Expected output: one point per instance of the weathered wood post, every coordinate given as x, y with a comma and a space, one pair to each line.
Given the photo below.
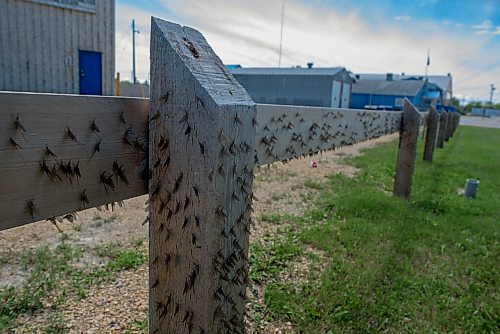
449, 126
456, 118
425, 124
202, 134
407, 151
442, 129
430, 138
452, 124
457, 121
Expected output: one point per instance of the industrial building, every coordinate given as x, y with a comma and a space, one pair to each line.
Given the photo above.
485, 112
57, 46
311, 86
387, 91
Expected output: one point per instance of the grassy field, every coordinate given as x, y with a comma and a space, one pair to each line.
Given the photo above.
430, 264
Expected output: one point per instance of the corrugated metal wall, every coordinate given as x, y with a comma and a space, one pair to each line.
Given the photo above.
39, 45
288, 89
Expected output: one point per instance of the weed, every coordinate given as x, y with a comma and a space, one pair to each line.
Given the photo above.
313, 184
110, 250
128, 259
56, 325
4, 258
99, 221
141, 324
275, 217
278, 196
63, 236
138, 242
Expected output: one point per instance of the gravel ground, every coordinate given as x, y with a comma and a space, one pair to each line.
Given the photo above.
120, 306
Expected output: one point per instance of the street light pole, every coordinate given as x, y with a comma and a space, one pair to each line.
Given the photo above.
134, 31
492, 89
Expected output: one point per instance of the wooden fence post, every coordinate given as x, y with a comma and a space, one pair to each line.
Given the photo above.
449, 126
407, 151
430, 138
442, 129
202, 133
456, 118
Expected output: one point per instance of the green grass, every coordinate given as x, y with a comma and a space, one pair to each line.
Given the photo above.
54, 276
269, 259
425, 265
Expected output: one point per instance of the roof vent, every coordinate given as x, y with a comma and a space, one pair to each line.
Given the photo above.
310, 65
390, 77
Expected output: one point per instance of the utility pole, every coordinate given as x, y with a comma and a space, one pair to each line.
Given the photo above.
281, 35
134, 78
492, 89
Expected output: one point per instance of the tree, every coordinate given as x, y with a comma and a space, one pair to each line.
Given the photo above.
472, 104
455, 102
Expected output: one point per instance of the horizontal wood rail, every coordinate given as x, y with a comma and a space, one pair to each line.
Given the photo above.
38, 154
65, 153
286, 132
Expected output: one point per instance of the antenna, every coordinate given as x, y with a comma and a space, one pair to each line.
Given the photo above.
281, 35
428, 61
134, 31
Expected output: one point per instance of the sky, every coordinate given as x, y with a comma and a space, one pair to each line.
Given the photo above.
364, 36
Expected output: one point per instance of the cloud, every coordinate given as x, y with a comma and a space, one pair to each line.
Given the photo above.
404, 18
248, 33
486, 28
485, 25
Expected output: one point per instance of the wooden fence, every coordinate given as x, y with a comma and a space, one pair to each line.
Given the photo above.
192, 148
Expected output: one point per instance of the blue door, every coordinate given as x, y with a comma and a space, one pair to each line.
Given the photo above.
90, 72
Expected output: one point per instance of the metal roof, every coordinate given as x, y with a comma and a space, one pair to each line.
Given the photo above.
442, 81
288, 70
384, 87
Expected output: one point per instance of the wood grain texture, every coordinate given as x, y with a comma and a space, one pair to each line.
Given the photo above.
442, 129
431, 134
32, 124
286, 132
201, 150
407, 151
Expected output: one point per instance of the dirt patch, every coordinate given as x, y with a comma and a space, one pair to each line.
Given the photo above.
116, 306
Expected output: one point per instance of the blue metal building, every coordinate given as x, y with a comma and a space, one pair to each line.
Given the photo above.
487, 112
373, 91
389, 95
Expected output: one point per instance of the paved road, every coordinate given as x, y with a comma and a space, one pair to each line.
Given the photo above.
485, 122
